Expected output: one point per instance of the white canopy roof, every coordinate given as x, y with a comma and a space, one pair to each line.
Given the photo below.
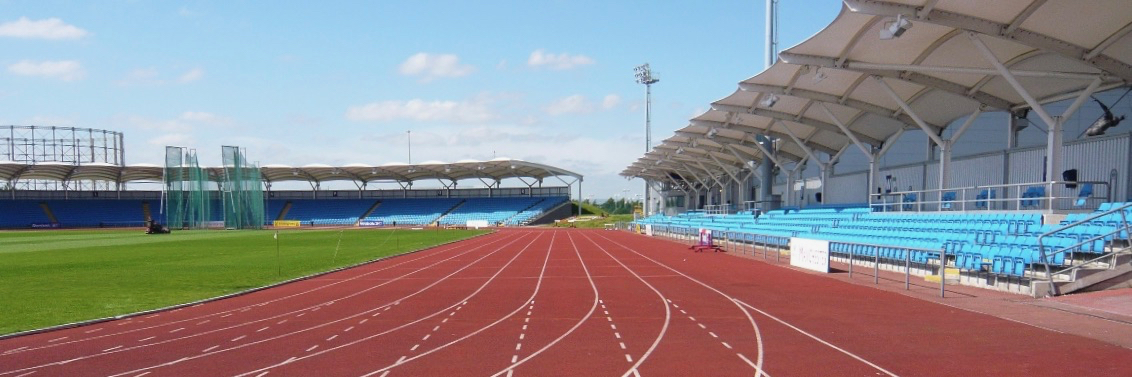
847, 86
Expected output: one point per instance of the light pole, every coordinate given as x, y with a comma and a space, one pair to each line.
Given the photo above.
409, 139
644, 76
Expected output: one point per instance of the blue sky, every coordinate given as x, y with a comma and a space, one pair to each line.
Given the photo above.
339, 82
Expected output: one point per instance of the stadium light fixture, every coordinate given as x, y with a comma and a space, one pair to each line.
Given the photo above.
819, 75
769, 100
895, 29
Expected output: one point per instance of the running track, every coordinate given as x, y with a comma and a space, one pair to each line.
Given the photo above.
540, 302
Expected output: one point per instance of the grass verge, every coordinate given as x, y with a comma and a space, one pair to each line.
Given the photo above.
53, 278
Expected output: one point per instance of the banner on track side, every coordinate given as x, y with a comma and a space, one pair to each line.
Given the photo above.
286, 223
809, 254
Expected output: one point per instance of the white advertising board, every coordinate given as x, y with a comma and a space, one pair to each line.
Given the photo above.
648, 229
476, 224
809, 254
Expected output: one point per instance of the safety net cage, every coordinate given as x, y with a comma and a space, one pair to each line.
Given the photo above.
187, 200
241, 191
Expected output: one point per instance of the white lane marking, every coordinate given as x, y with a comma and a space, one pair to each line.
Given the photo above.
676, 306
300, 315
712, 334
142, 340
436, 328
622, 344
363, 321
226, 315
26, 374
142, 374
401, 360
820, 340
331, 337
667, 310
426, 337
444, 321
518, 346
610, 319
514, 358
692, 318
288, 361
312, 348
636, 373
265, 328
528, 313
754, 326
526, 319
524, 327
239, 337
414, 349
702, 326
111, 348
617, 334
451, 314
263, 374
348, 329
402, 326
204, 322
726, 345
628, 358
56, 340
522, 335
376, 314
210, 349
93, 331
176, 330
683, 312
386, 373
612, 326
14, 350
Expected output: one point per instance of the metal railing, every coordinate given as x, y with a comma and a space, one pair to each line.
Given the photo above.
1045, 256
1053, 195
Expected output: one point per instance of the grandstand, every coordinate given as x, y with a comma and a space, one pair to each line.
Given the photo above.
1036, 219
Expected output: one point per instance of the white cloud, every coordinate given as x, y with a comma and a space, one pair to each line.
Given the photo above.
610, 101
433, 66
422, 111
51, 28
575, 104
539, 58
66, 70
190, 76
205, 118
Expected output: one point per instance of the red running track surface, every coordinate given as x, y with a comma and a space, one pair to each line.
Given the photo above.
545, 302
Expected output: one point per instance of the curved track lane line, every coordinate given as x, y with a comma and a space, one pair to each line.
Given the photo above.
117, 350
667, 312
589, 314
402, 361
758, 365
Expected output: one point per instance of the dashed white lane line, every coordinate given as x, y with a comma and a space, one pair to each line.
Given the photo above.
444, 321
386, 373
56, 340
518, 346
514, 358
145, 339
348, 329
522, 335
26, 374
617, 334
226, 315
281, 322
692, 318
726, 345
111, 348
265, 328
210, 349
141, 374
712, 334
401, 360
436, 328
312, 348
622, 344
263, 374
204, 322
14, 350
363, 321
426, 337
239, 337
628, 358
331, 337
414, 349
300, 315
176, 330
612, 326
93, 331
702, 326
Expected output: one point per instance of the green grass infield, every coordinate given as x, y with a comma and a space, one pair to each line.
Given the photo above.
49, 278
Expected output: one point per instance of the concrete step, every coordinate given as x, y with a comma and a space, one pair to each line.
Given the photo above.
951, 274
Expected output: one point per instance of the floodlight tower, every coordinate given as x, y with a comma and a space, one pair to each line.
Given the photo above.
767, 184
644, 76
